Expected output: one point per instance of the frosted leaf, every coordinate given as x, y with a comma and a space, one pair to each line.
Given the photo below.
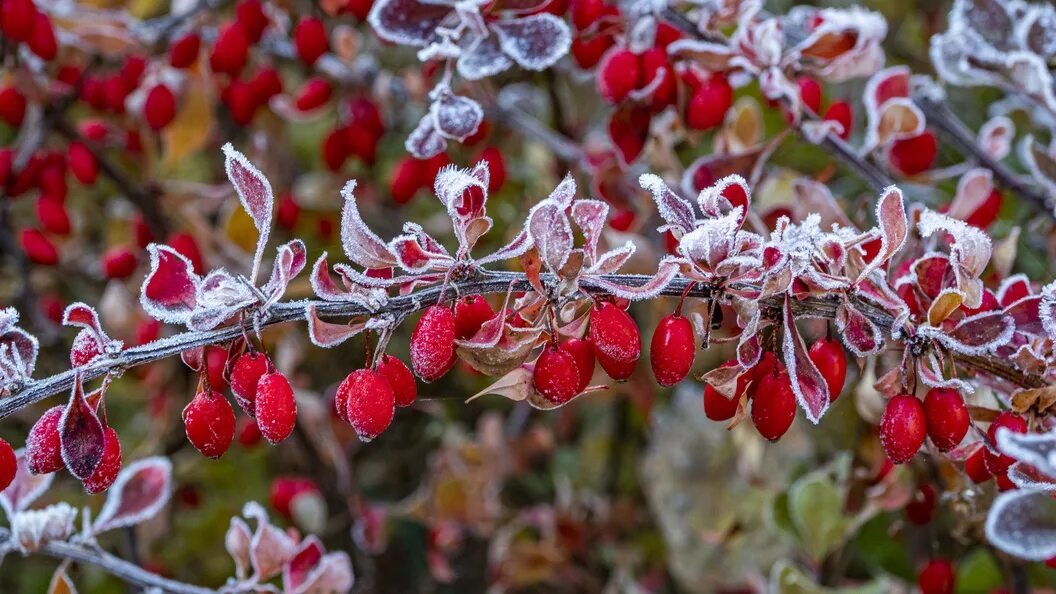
81, 434
237, 541
749, 348
839, 43
407, 22
814, 197
973, 189
551, 234
464, 192
893, 228
1026, 315
84, 316
673, 209
613, 260
929, 370
969, 252
220, 296
32, 530
169, 292
858, 332
311, 570
517, 246
711, 242
995, 137
715, 57
482, 58
564, 193
515, 385
1036, 449
810, 387
140, 491
415, 253
1023, 524
975, 335
1029, 478
987, 17
254, 191
455, 117
666, 271
61, 582
1037, 30
18, 350
270, 548
361, 245
1013, 288
425, 141
327, 335
1040, 162
535, 42
25, 488
726, 196
1047, 309
289, 262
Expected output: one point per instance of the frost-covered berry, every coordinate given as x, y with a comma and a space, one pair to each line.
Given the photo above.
937, 577
471, 312
275, 406
975, 467
911, 156
720, 408
366, 401
8, 464
947, 417
556, 375
828, 356
773, 405
109, 465
709, 104
619, 74
617, 342
43, 449
583, 354
996, 461
433, 343
210, 423
902, 428
672, 349
404, 387
245, 375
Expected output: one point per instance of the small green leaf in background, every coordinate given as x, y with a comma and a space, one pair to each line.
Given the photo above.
786, 578
816, 508
977, 573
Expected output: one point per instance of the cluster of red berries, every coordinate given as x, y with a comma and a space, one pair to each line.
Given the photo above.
22, 22
813, 98
357, 137
260, 391
907, 421
410, 175
367, 398
44, 451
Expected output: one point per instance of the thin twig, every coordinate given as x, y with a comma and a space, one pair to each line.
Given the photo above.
481, 282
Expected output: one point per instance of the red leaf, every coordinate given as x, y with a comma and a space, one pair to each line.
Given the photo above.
81, 435
812, 391
140, 491
169, 292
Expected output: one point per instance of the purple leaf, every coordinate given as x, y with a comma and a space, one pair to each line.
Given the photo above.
978, 334
238, 542
613, 260
859, 333
590, 216
481, 58
969, 252
455, 117
810, 387
18, 349
995, 137
81, 434
326, 335
551, 233
407, 22
517, 246
25, 488
308, 555
140, 491
289, 262
361, 245
425, 140
535, 42
169, 293
254, 191
893, 226
1036, 449
417, 252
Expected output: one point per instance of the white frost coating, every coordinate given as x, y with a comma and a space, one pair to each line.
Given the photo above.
514, 249
564, 193
150, 478
254, 191
1023, 524
795, 354
590, 216
425, 141
551, 233
996, 137
18, 349
969, 252
1023, 477
326, 335
406, 22
482, 58
892, 232
1010, 282
1047, 309
672, 208
31, 530
535, 42
25, 488
614, 259
949, 339
849, 318
172, 313
454, 116
1036, 449
666, 271
361, 245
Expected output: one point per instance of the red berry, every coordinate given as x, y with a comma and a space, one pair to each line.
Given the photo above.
921, 508
583, 354
275, 407
250, 14
8, 464
556, 375
245, 374
16, 18
42, 39
309, 38
619, 75
241, 101
828, 356
433, 343
215, 364
359, 8
709, 104
285, 489
132, 72
119, 262
937, 577
209, 423
52, 215
975, 466
840, 111
629, 130
588, 51
672, 349
720, 408
160, 107
82, 163
184, 51
248, 433
653, 62
986, 213
315, 93
265, 84
106, 472
471, 312
367, 401
335, 150
406, 179
364, 114
810, 93
773, 405
188, 247
38, 248
902, 428
287, 212
496, 168
404, 388
947, 417
43, 449
12, 106
996, 461
911, 156
617, 343
586, 12
230, 50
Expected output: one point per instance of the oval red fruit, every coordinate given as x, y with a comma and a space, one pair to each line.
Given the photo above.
38, 248
841, 113
184, 51
583, 353
921, 508
159, 109
720, 408
947, 417
119, 262
369, 402
619, 75
828, 356
617, 342
433, 343
709, 104
902, 428
245, 375
404, 388
106, 472
43, 449
672, 349
275, 406
975, 466
8, 464
230, 50
556, 375
773, 405
471, 312
210, 423
309, 38
82, 163
937, 577
313, 94
996, 461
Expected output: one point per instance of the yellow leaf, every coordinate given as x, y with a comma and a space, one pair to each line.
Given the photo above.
942, 307
240, 230
189, 131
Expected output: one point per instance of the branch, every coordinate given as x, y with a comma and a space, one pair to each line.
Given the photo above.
129, 572
480, 282
960, 136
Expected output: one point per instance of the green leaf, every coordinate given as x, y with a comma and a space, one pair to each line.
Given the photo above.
786, 578
816, 508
